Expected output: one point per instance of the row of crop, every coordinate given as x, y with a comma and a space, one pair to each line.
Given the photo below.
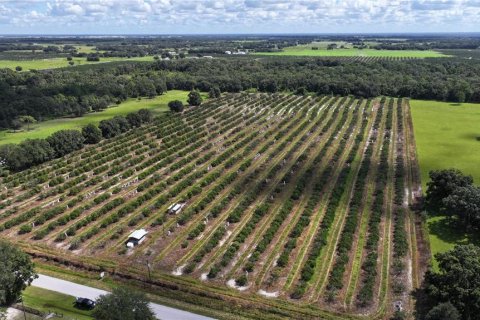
304, 219
60, 182
68, 217
321, 237
202, 203
13, 222
140, 200
369, 265
358, 118
344, 246
47, 216
64, 219
194, 190
301, 185
74, 190
208, 180
400, 242
97, 155
212, 193
258, 214
247, 199
215, 211
173, 167
84, 154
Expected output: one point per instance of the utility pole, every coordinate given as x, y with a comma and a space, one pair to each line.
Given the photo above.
149, 271
23, 308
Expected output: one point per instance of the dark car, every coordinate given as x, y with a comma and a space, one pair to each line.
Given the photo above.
84, 303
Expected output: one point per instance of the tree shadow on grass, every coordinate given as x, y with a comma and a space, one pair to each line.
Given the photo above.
451, 231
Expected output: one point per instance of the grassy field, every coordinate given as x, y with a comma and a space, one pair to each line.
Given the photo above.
50, 301
46, 128
61, 62
351, 52
446, 137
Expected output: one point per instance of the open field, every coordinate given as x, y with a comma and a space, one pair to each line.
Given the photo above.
291, 204
446, 137
352, 52
49, 301
45, 128
53, 63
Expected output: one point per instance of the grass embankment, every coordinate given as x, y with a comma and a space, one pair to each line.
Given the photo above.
352, 52
40, 64
446, 137
46, 128
49, 301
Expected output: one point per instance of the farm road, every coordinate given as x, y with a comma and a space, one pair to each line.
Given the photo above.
78, 290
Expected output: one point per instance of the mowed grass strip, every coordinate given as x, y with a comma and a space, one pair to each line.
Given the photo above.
447, 135
307, 51
50, 301
54, 63
45, 128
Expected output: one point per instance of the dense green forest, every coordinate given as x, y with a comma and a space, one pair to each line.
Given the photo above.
66, 92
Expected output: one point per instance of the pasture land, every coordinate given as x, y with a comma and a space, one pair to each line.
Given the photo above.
352, 52
293, 204
45, 128
53, 63
447, 136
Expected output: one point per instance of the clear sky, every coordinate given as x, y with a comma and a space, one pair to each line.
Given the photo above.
237, 16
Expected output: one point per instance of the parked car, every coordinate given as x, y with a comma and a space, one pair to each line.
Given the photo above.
84, 303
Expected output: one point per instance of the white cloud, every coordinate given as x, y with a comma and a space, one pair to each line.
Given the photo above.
240, 15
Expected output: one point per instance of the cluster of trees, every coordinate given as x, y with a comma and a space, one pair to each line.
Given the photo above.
123, 304
452, 193
32, 152
17, 273
60, 93
453, 290
194, 99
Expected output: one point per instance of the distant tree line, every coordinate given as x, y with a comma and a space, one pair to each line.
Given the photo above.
429, 44
32, 152
76, 91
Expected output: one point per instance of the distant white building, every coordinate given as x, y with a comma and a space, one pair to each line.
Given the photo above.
228, 52
136, 237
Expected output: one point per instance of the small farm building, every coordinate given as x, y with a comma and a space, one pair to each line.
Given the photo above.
175, 208
136, 237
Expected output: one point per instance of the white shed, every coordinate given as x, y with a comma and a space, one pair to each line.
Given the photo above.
175, 208
136, 237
